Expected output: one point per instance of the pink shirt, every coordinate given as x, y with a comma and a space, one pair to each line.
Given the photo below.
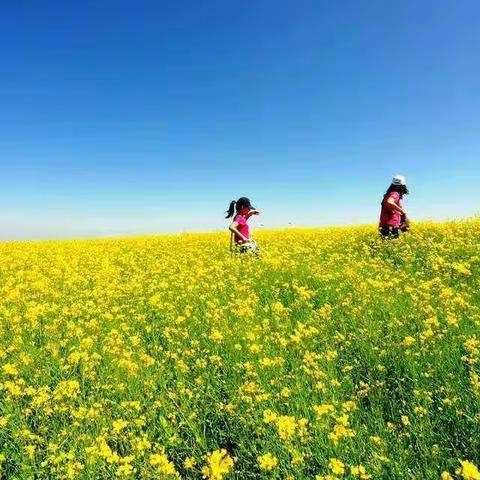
388, 216
242, 228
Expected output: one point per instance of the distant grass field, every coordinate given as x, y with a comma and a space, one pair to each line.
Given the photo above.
333, 355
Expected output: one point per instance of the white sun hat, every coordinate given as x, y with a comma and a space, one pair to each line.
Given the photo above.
399, 180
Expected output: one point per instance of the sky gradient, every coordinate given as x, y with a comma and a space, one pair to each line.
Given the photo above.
121, 117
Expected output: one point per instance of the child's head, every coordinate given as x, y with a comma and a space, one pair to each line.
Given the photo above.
399, 184
240, 207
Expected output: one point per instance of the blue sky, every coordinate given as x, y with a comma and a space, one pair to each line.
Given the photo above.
121, 117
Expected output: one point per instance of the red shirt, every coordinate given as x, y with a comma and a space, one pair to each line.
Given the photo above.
242, 227
388, 216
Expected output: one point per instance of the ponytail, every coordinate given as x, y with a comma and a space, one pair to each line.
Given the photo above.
242, 202
231, 209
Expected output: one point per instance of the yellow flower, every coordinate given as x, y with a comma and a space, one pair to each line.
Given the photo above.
408, 341
321, 410
162, 464
67, 389
219, 463
336, 466
285, 393
420, 411
125, 470
216, 335
286, 426
10, 369
469, 471
269, 416
30, 451
119, 425
267, 461
359, 471
189, 463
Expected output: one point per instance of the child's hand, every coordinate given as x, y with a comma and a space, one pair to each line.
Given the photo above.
254, 212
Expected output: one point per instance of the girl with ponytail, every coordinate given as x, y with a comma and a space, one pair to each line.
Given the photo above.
241, 210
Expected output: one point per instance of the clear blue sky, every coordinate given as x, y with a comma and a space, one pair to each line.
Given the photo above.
121, 117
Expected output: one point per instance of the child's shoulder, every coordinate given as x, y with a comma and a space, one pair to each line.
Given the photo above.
239, 219
395, 195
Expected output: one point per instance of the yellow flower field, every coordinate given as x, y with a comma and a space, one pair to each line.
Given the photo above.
333, 355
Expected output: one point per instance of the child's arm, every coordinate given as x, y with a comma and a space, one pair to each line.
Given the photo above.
393, 206
233, 228
253, 212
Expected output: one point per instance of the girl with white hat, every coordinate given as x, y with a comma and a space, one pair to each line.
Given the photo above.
393, 217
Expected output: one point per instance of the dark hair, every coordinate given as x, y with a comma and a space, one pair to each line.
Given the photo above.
236, 206
401, 189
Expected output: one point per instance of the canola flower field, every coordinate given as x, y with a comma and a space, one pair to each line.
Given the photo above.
335, 355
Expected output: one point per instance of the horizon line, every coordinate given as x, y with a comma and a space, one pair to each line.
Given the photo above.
92, 237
